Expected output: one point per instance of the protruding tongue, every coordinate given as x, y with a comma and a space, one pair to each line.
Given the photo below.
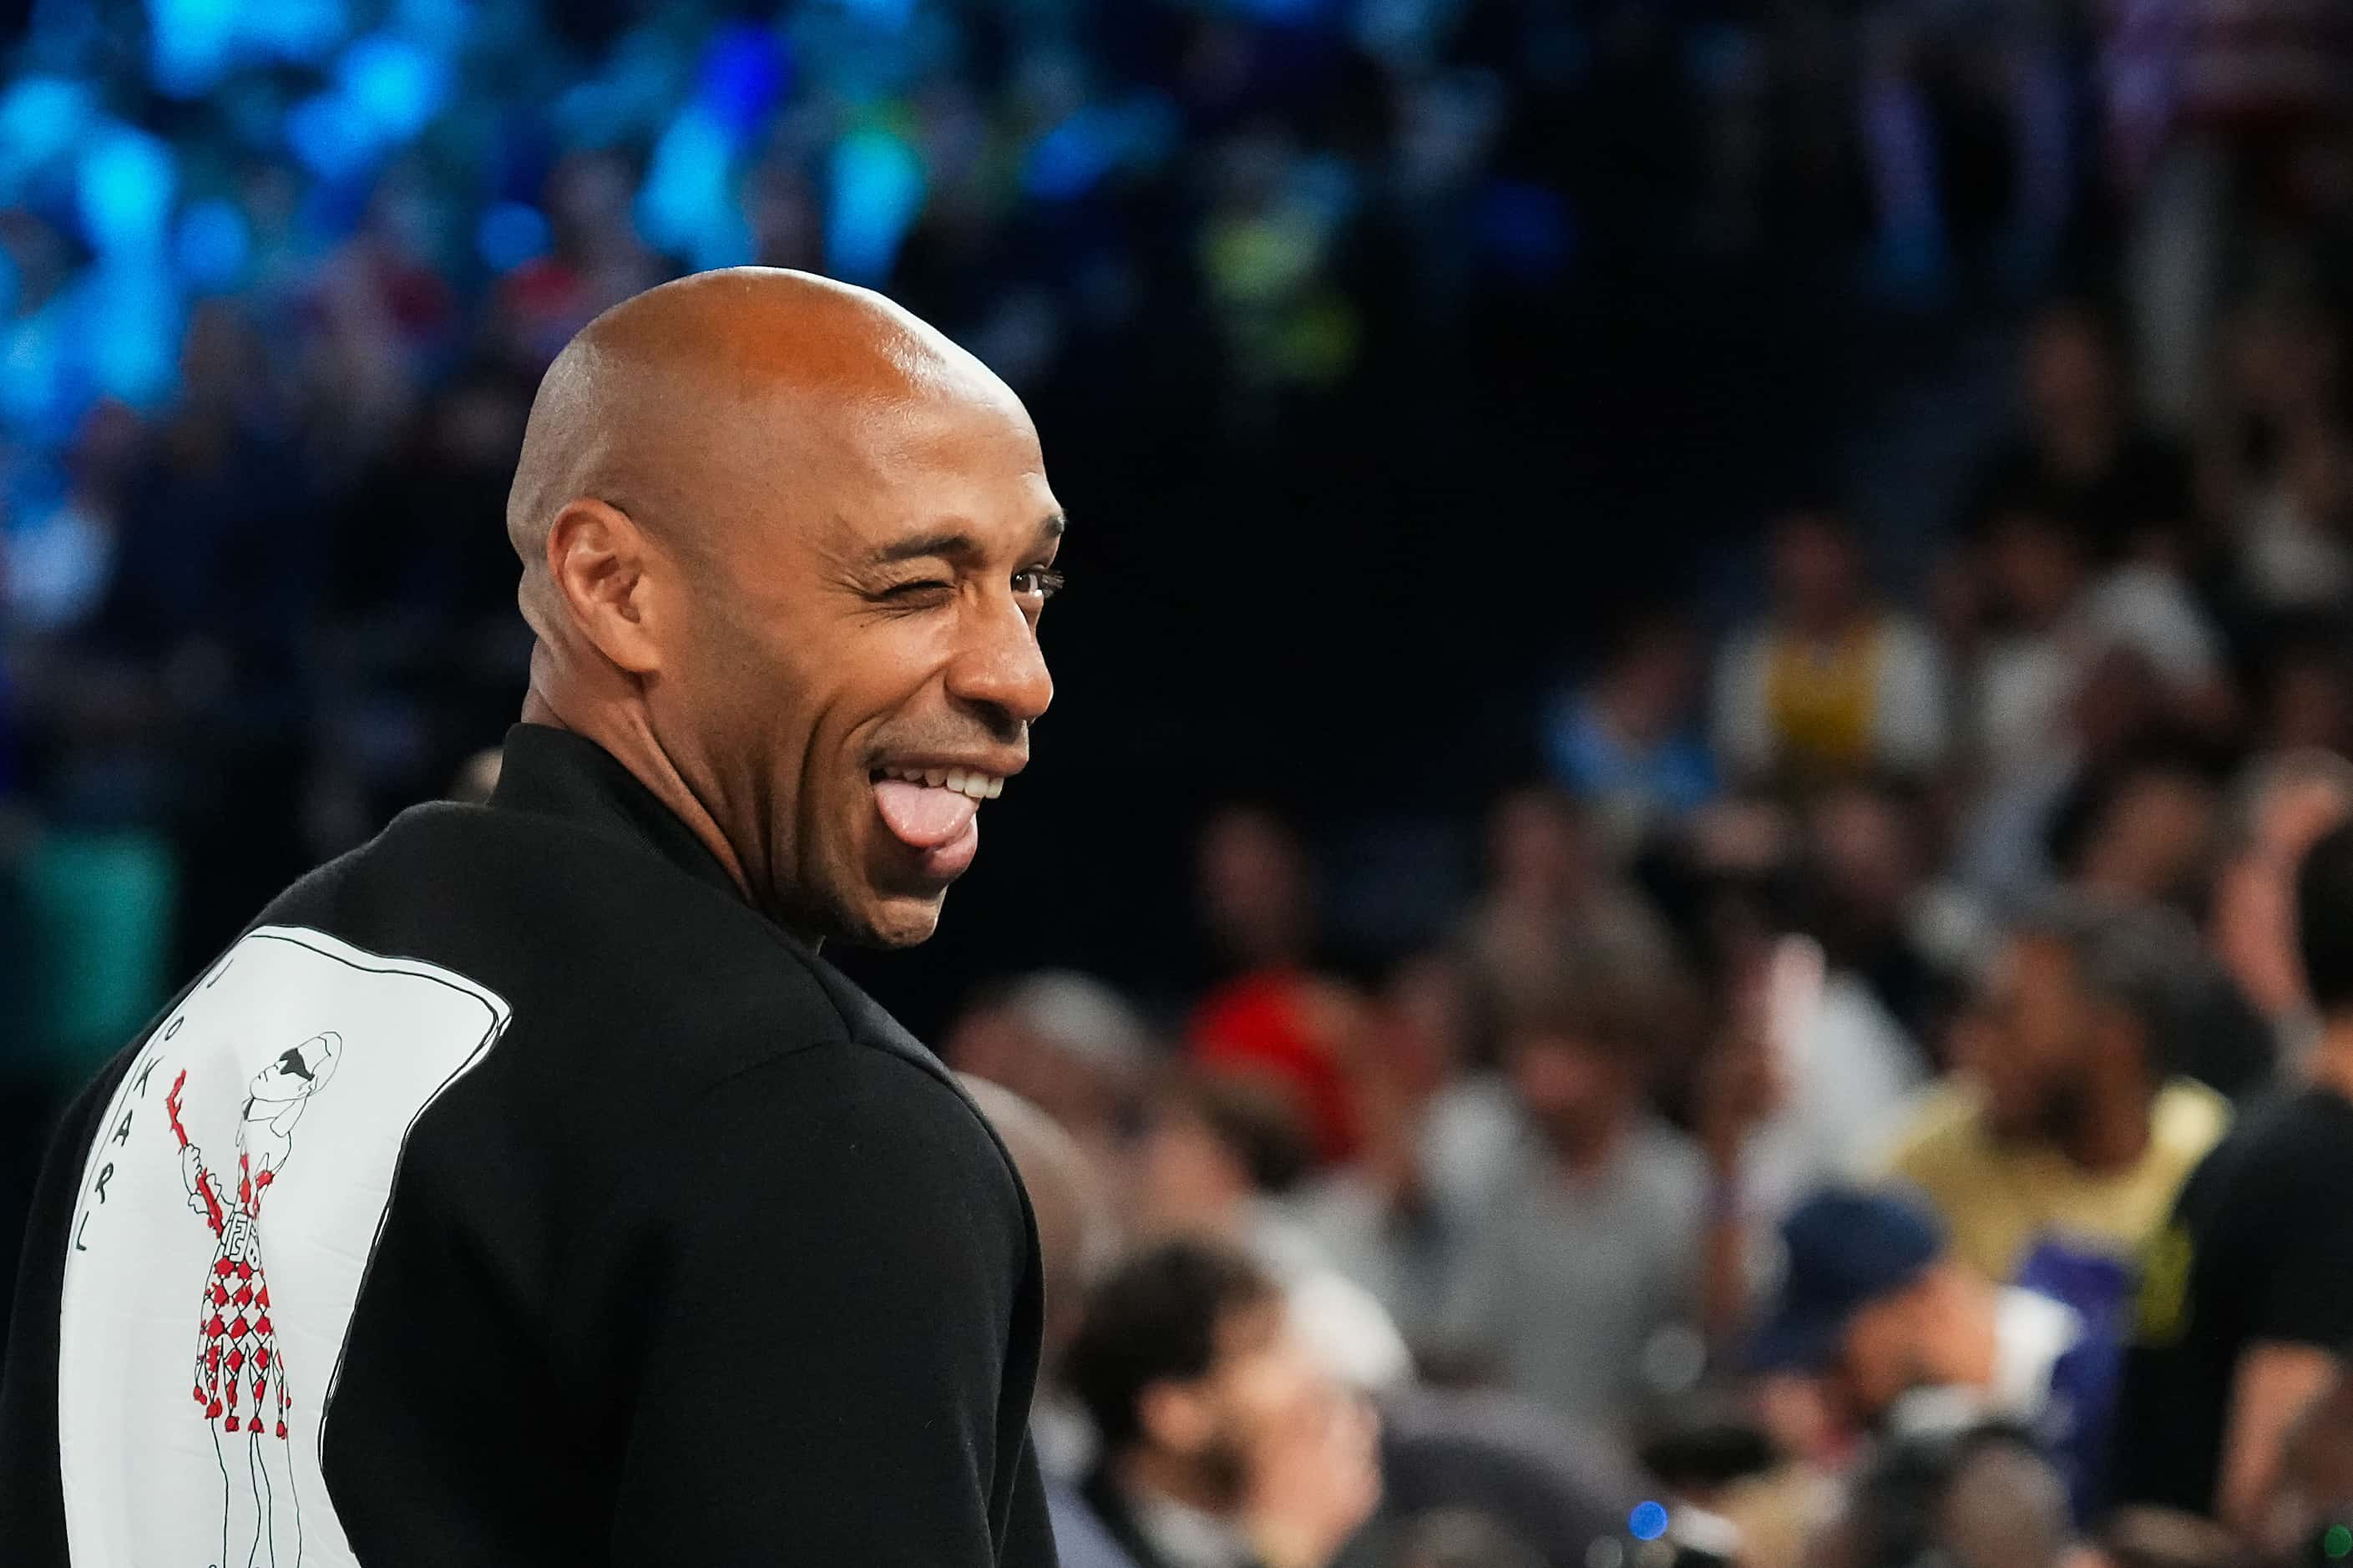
923, 817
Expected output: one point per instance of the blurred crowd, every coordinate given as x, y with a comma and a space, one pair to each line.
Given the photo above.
1885, 1097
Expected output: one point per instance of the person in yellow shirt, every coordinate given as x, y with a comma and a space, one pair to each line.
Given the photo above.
2062, 1140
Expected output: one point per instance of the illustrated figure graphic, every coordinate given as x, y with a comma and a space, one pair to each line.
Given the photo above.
236, 1345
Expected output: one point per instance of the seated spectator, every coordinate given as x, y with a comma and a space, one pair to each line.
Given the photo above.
1071, 1046
1985, 1498
1907, 1341
1627, 742
1224, 1443
1584, 1280
1830, 684
2282, 806
2065, 1138
2079, 453
1224, 1157
1073, 1247
2246, 1299
1274, 1014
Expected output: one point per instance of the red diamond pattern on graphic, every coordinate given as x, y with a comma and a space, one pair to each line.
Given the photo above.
265, 1298
244, 1270
229, 1424
263, 1326
262, 1356
200, 1395
244, 1297
237, 1360
222, 1268
281, 1428
221, 1295
214, 1328
237, 1327
213, 1409
212, 1358
260, 1391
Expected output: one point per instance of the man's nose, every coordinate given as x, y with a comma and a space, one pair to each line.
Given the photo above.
1002, 669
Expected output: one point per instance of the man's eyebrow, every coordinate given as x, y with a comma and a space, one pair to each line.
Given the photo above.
950, 544
947, 544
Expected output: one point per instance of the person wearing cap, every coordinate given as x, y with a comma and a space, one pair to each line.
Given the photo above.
1903, 1337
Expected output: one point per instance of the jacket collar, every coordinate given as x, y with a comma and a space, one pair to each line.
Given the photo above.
555, 773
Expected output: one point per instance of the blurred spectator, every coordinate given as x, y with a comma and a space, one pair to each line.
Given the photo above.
2246, 1299
1223, 1156
1563, 1494
1583, 1286
1072, 1250
1275, 1016
1458, 1538
1984, 1498
2281, 807
1907, 1339
1831, 683
2065, 1136
1071, 1046
2080, 454
1224, 1442
1627, 740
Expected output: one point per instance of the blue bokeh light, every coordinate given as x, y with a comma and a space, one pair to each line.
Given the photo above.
214, 244
123, 189
1647, 1521
509, 235
394, 85
878, 190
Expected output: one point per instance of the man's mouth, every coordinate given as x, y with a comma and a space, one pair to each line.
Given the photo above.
936, 812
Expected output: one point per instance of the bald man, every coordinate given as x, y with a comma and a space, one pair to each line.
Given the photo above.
523, 1187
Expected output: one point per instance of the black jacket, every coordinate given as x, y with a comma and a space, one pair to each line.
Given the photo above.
587, 1215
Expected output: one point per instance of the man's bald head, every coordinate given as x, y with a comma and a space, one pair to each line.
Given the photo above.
673, 399
783, 547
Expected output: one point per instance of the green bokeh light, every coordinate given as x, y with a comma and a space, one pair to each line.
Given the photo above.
2339, 1541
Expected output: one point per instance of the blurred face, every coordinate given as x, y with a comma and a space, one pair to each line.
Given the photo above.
862, 668
1188, 1182
2034, 572
1253, 886
1573, 1089
2066, 369
1265, 1408
1816, 577
1539, 850
1882, 1358
2030, 1044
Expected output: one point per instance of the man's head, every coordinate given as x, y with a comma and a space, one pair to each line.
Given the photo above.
1255, 888
1212, 1141
300, 1072
2083, 1001
1580, 1040
2324, 923
1186, 1357
1819, 582
1870, 1303
1068, 1044
784, 548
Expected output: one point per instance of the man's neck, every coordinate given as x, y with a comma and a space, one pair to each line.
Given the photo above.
625, 738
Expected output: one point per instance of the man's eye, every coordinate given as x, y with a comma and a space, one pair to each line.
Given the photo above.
922, 588
1043, 581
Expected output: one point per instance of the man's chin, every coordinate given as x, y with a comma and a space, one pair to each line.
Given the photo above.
898, 919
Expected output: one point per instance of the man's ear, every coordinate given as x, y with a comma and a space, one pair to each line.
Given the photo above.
597, 557
1176, 1417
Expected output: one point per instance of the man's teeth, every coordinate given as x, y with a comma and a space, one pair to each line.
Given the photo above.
979, 786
